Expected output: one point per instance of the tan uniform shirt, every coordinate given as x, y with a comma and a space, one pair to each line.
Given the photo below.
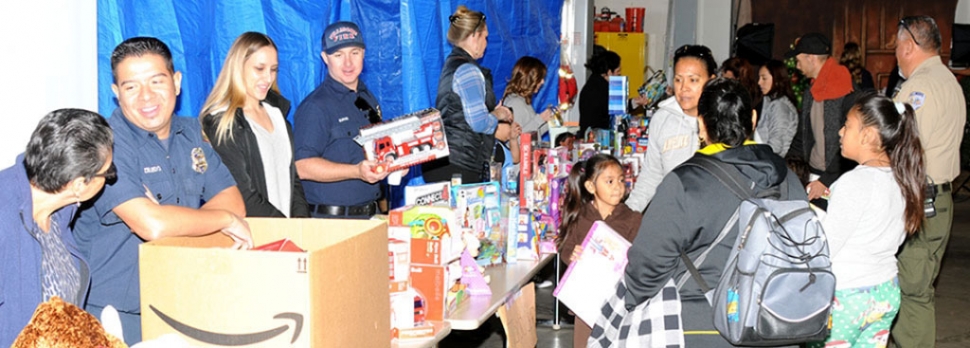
816, 158
940, 114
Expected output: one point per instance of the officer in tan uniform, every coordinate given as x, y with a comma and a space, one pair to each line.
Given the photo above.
936, 96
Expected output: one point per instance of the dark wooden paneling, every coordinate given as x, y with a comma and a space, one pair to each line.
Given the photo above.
871, 23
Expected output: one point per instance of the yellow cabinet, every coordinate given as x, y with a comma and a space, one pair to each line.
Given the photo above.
632, 48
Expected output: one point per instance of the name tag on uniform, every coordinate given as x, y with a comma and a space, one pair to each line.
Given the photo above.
343, 119
154, 169
680, 141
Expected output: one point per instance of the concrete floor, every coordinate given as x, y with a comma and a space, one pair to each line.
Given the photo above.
952, 298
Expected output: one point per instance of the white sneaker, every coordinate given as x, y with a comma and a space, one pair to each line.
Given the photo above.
544, 284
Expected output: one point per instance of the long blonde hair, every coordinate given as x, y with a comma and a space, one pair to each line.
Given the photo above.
464, 23
229, 91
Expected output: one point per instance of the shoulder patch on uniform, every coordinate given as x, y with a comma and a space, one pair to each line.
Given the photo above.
916, 99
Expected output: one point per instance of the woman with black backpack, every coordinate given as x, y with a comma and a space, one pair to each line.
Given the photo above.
691, 208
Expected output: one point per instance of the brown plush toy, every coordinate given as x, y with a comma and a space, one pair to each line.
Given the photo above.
57, 324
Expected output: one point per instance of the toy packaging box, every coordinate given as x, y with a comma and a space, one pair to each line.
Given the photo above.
512, 227
436, 193
592, 278
398, 262
525, 164
478, 211
557, 190
587, 150
438, 287
527, 240
619, 85
604, 137
431, 230
408, 316
403, 316
402, 312
405, 141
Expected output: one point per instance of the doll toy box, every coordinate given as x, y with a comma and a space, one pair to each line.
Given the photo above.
478, 209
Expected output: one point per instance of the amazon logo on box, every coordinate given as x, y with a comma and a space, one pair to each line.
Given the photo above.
333, 295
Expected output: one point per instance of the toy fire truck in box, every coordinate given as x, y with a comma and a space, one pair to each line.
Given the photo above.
405, 141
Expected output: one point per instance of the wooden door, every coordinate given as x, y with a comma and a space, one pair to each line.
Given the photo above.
870, 23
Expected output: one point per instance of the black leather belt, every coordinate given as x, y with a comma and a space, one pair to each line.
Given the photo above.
944, 187
368, 209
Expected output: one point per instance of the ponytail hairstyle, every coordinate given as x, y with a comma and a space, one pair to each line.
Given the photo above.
896, 124
576, 193
464, 23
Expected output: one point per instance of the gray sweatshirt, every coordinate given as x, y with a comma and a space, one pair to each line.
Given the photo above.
525, 115
777, 124
673, 140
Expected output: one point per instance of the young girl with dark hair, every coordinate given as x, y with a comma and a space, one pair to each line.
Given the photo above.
871, 210
778, 120
594, 193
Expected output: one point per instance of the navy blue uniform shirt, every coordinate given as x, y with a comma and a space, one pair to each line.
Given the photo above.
187, 174
325, 125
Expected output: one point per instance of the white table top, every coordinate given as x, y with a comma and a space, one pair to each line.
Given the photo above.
441, 329
506, 280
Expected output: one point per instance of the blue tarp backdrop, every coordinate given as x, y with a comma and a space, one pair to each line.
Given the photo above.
405, 41
406, 44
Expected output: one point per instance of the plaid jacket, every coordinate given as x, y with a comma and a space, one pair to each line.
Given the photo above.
655, 323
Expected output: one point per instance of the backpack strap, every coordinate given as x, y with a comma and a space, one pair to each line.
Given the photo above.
729, 176
700, 259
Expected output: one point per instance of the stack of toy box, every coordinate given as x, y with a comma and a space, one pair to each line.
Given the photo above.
408, 319
544, 178
434, 251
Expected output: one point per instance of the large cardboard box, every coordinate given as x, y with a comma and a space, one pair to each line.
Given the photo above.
334, 295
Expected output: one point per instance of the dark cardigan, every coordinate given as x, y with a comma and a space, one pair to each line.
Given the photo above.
241, 155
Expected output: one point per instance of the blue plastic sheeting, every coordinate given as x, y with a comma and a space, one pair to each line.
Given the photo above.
406, 44
405, 40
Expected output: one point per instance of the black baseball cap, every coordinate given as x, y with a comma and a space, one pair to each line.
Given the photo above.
341, 34
811, 43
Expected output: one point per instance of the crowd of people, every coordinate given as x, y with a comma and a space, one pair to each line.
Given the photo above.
873, 162
880, 166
